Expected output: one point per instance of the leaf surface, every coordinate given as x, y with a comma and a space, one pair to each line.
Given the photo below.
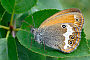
25, 37
18, 6
12, 49
3, 49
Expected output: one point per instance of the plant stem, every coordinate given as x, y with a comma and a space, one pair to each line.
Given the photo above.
8, 32
2, 15
7, 28
11, 21
11, 24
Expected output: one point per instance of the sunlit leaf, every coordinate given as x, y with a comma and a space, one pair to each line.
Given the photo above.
25, 54
12, 49
25, 37
18, 6
3, 49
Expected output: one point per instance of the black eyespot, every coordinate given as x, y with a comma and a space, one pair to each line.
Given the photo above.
72, 37
70, 42
63, 26
77, 19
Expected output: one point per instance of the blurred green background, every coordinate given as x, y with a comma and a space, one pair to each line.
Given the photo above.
83, 5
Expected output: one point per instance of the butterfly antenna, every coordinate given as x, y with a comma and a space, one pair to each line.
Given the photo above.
44, 45
33, 21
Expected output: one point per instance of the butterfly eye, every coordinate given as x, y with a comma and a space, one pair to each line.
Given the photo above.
32, 30
70, 42
63, 26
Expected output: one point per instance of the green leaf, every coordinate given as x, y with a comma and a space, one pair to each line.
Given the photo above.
51, 58
18, 19
18, 6
25, 54
76, 58
1, 14
3, 49
5, 22
12, 49
25, 37
88, 42
1, 11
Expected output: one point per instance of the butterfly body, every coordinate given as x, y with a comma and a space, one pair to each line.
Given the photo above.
62, 31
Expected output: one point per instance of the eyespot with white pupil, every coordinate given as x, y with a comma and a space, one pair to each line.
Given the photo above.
70, 42
71, 37
63, 26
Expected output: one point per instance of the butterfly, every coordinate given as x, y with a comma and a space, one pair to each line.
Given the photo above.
61, 31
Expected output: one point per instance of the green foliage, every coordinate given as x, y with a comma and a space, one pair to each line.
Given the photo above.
12, 49
25, 39
18, 6
5, 21
81, 4
25, 54
88, 43
3, 49
1, 11
23, 46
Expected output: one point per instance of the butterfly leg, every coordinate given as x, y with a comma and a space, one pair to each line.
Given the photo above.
44, 45
31, 42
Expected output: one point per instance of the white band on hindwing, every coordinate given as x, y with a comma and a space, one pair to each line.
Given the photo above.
67, 34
